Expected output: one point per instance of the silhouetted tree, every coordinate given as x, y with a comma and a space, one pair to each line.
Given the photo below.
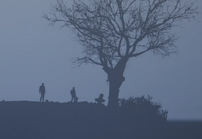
114, 31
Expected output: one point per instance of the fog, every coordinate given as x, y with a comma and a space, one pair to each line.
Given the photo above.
33, 52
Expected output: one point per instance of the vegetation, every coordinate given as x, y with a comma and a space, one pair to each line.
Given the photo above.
143, 111
114, 31
144, 106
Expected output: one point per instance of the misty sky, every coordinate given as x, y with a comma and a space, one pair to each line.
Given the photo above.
33, 52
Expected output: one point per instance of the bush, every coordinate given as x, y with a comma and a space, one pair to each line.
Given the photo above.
143, 106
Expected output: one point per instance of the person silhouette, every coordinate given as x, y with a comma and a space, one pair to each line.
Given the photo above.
100, 100
42, 91
73, 95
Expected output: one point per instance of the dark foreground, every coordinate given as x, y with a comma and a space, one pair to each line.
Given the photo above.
35, 120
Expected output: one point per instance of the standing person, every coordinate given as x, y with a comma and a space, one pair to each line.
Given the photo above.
73, 94
42, 91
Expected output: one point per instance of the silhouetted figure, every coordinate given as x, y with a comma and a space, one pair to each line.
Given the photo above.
100, 100
73, 94
42, 91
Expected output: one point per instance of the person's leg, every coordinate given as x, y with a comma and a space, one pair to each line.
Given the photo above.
43, 97
74, 98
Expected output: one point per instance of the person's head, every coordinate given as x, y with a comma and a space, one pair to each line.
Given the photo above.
101, 96
73, 88
43, 84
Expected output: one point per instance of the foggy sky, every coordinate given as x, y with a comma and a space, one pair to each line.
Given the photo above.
33, 52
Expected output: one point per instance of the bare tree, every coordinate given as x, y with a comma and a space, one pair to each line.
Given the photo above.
113, 31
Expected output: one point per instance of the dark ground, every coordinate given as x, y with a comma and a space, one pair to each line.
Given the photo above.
50, 120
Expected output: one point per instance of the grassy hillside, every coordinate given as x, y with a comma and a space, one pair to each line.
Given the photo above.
49, 120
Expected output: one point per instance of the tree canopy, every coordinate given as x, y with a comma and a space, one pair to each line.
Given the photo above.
114, 31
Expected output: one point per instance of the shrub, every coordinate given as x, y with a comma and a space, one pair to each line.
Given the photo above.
143, 106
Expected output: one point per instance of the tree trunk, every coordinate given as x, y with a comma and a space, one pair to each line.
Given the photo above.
116, 78
115, 83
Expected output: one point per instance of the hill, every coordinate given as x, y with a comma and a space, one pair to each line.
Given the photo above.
51, 120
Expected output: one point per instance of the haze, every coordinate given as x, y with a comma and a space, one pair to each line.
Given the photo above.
33, 52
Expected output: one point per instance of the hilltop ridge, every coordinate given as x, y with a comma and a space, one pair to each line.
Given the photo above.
53, 120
